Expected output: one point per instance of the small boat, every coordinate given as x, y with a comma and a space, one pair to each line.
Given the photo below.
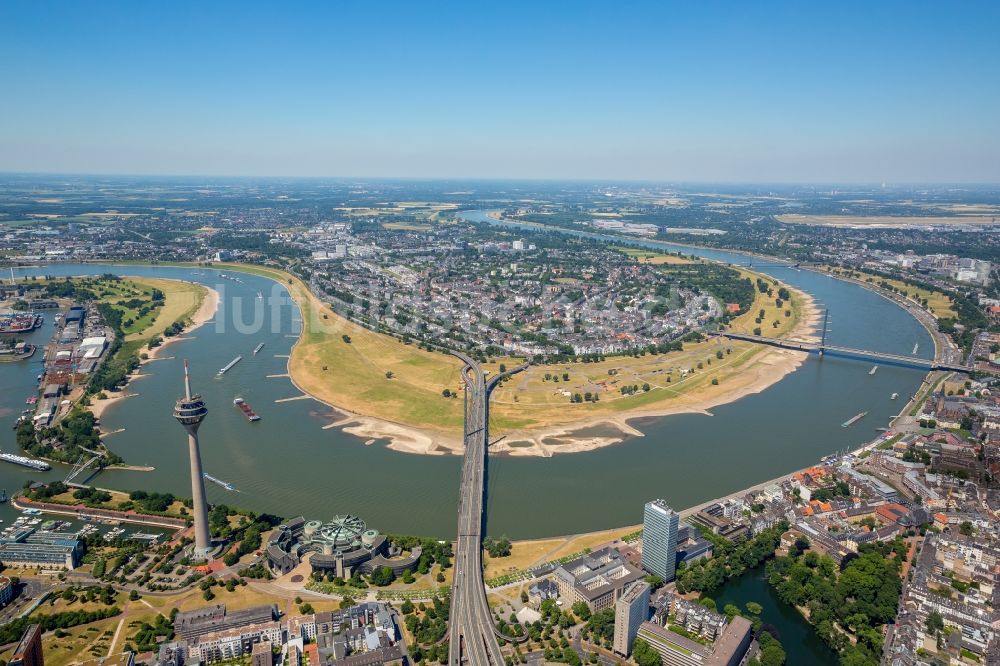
258, 348
916, 346
224, 484
893, 396
873, 370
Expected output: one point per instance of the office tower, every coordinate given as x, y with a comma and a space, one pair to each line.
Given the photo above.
631, 610
659, 540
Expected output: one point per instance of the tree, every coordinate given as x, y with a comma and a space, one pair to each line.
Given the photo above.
382, 576
581, 610
346, 338
935, 623
772, 655
655, 582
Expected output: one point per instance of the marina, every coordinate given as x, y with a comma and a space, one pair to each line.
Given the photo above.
229, 366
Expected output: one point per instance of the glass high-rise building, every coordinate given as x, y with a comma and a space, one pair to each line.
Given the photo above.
659, 539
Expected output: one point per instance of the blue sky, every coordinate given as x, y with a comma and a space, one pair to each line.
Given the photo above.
693, 91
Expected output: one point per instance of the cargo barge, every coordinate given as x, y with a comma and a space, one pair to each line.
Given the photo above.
854, 419
245, 408
229, 366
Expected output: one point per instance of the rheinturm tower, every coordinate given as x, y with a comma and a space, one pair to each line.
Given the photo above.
190, 411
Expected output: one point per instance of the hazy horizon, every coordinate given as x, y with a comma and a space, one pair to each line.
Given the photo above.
785, 93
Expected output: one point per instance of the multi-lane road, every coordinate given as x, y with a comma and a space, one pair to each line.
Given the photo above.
471, 628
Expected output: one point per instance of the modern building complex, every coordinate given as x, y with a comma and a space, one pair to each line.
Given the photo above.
659, 539
631, 610
46, 550
190, 411
685, 633
598, 579
28, 651
342, 546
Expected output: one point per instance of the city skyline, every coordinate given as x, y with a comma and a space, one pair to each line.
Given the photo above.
898, 93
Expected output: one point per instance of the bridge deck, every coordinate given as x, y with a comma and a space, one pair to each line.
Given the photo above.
812, 347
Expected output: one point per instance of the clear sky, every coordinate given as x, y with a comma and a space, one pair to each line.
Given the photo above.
693, 91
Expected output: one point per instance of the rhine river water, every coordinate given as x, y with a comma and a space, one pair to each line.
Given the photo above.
289, 465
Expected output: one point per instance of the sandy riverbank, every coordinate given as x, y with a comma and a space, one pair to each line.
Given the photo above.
767, 367
204, 314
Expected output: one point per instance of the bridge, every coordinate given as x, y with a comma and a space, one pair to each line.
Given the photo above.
822, 348
78, 468
472, 633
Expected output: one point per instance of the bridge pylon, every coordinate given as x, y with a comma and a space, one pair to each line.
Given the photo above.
826, 327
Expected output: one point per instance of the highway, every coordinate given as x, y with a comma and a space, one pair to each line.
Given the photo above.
472, 638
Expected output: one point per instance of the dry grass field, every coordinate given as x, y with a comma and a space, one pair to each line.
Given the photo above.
353, 375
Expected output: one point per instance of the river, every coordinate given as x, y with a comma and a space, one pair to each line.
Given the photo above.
801, 644
289, 465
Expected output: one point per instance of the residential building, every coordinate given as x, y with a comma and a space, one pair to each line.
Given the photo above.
261, 654
687, 634
659, 539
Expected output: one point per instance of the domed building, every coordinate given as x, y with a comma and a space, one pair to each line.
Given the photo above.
341, 547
